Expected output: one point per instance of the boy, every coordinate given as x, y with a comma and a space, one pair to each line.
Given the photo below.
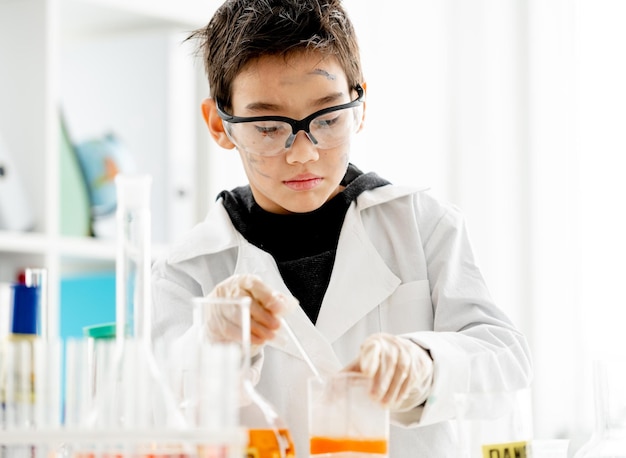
384, 275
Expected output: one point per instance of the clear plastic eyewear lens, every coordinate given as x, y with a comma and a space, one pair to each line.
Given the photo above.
335, 128
264, 139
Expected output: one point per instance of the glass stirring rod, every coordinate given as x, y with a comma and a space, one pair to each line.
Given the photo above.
300, 348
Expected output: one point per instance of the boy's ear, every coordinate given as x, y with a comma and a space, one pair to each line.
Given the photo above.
215, 125
364, 86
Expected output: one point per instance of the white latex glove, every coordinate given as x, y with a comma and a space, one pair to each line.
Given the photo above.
266, 307
401, 371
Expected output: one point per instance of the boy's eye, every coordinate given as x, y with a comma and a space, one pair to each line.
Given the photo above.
327, 121
266, 130
269, 130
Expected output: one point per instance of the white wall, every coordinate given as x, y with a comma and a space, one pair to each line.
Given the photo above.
514, 110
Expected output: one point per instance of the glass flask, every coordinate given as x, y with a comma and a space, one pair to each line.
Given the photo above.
268, 435
609, 437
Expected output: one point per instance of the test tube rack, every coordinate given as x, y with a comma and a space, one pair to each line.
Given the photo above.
49, 406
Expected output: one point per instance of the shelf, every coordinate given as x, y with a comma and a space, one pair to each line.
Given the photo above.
22, 242
75, 248
96, 249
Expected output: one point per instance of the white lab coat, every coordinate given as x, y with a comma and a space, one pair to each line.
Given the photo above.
404, 266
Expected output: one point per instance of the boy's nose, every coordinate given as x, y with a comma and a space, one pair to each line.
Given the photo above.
302, 150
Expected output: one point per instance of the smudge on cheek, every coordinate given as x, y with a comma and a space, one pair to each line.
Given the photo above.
256, 164
341, 158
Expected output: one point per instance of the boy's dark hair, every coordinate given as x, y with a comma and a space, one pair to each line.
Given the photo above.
243, 30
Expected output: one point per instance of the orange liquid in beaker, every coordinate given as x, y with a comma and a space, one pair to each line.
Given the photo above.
262, 443
321, 445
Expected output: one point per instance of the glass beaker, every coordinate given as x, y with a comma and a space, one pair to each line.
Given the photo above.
268, 435
344, 419
609, 436
494, 423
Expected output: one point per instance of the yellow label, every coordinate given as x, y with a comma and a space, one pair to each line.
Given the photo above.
505, 450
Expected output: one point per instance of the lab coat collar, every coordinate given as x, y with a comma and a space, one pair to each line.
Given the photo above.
216, 233
360, 279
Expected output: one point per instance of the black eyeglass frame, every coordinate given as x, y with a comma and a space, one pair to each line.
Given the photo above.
296, 125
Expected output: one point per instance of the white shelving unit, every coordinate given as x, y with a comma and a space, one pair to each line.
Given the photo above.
107, 65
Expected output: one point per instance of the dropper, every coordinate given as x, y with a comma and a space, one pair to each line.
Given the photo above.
300, 348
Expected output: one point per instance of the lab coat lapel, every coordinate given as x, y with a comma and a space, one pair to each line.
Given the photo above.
255, 261
360, 280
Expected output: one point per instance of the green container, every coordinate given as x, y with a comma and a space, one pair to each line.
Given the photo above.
100, 331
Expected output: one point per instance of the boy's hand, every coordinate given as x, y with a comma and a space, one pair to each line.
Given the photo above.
401, 371
267, 305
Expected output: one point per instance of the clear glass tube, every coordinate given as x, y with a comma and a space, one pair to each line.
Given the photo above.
133, 256
146, 399
268, 435
609, 436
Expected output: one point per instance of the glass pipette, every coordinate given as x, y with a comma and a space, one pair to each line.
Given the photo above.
300, 348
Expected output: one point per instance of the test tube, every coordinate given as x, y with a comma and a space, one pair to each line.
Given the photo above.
133, 256
47, 372
141, 383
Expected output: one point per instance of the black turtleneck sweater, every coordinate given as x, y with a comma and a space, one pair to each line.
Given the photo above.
303, 244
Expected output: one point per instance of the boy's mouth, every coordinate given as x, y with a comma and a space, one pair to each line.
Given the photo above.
303, 182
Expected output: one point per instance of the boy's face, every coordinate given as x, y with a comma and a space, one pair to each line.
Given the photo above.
302, 177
